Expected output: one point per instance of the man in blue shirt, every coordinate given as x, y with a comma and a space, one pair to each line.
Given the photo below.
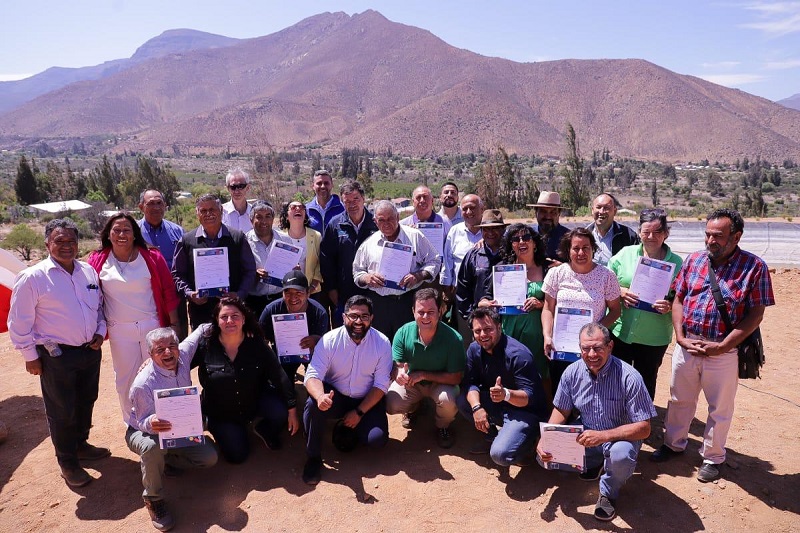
615, 410
324, 206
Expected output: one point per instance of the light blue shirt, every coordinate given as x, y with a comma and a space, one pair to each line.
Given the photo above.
459, 241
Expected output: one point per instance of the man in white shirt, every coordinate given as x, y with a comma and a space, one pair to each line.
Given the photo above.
236, 213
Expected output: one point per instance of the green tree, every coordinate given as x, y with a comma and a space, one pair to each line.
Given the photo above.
714, 183
25, 184
577, 190
654, 192
24, 240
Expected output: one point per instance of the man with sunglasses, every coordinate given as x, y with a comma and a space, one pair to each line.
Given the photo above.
347, 379
610, 236
236, 213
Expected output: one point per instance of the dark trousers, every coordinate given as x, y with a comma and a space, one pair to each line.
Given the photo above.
183, 318
201, 314
373, 430
69, 389
557, 368
257, 303
391, 312
646, 359
232, 435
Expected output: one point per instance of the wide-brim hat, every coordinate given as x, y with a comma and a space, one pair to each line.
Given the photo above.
548, 199
492, 218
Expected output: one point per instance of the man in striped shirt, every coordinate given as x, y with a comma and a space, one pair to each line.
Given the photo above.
615, 410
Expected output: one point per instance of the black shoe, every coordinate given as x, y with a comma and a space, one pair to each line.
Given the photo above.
445, 438
87, 452
591, 474
604, 510
708, 472
159, 514
409, 420
663, 454
273, 442
312, 471
76, 476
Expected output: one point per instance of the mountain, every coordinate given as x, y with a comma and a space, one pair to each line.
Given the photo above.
793, 101
16, 93
365, 81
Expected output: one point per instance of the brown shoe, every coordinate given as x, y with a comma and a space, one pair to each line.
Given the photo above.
76, 476
87, 452
159, 514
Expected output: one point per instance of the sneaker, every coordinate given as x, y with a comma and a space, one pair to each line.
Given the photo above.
663, 454
409, 419
87, 452
445, 438
159, 514
604, 509
591, 474
273, 442
76, 476
312, 471
708, 472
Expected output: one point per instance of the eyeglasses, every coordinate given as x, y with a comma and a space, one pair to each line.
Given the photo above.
297, 206
238, 186
599, 348
355, 317
522, 238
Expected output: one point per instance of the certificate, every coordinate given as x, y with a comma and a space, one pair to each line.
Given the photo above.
396, 261
559, 440
181, 408
289, 330
212, 275
651, 281
568, 324
434, 232
510, 284
282, 258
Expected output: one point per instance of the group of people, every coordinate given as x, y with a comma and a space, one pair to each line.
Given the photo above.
381, 346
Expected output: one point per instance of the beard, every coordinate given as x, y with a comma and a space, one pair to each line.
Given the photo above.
449, 202
357, 335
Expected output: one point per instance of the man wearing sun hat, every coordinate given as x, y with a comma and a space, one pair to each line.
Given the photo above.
548, 209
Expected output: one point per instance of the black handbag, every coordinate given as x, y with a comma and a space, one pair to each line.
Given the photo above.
751, 350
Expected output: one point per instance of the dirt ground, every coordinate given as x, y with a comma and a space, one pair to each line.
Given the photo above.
412, 484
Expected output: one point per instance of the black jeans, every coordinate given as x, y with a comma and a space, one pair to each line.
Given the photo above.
646, 359
69, 389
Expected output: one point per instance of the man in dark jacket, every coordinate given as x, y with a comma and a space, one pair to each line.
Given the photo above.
610, 236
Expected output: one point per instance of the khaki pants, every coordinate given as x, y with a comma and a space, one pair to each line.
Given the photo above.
400, 399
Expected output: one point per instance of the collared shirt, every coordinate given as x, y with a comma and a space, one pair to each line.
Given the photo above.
352, 369
232, 218
316, 318
368, 258
338, 249
473, 276
261, 254
49, 303
512, 362
459, 241
743, 279
319, 217
457, 218
617, 237
412, 221
153, 377
445, 352
615, 397
164, 237
603, 253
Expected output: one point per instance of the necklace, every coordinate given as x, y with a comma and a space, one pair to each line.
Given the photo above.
128, 262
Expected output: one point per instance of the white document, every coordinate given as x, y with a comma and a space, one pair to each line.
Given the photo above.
559, 440
510, 285
181, 408
282, 258
434, 232
211, 269
396, 261
651, 282
566, 329
289, 330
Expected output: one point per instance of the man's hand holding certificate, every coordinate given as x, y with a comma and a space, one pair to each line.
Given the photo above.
282, 258
178, 419
291, 332
559, 448
211, 271
395, 265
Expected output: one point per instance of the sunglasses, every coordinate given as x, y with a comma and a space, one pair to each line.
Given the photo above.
237, 186
522, 238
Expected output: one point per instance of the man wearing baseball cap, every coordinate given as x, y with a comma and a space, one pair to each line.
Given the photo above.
548, 210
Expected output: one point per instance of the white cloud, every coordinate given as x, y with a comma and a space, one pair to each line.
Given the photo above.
777, 18
721, 64
14, 77
783, 65
733, 80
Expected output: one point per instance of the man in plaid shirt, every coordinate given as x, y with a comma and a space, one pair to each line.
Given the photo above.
705, 356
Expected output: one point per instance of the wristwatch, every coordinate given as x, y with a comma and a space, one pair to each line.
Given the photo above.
359, 412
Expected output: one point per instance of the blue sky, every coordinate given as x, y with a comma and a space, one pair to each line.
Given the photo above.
750, 45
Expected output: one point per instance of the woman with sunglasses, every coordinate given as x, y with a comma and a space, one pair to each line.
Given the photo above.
522, 245
641, 337
296, 225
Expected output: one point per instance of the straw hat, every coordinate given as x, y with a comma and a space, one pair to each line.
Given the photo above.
548, 199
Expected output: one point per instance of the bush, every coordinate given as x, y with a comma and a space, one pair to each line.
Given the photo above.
24, 240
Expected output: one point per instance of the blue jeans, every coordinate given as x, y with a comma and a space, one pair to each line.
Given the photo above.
69, 390
619, 461
232, 436
519, 431
373, 430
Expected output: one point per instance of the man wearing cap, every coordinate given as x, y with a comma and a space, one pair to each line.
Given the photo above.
610, 236
296, 300
393, 302
236, 213
548, 210
324, 206
476, 269
450, 210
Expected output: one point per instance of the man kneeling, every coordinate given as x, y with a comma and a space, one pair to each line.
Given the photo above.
615, 410
169, 369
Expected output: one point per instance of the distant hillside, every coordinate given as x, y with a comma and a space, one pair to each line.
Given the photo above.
793, 101
16, 93
365, 81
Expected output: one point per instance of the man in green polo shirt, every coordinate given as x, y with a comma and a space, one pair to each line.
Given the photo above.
429, 363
